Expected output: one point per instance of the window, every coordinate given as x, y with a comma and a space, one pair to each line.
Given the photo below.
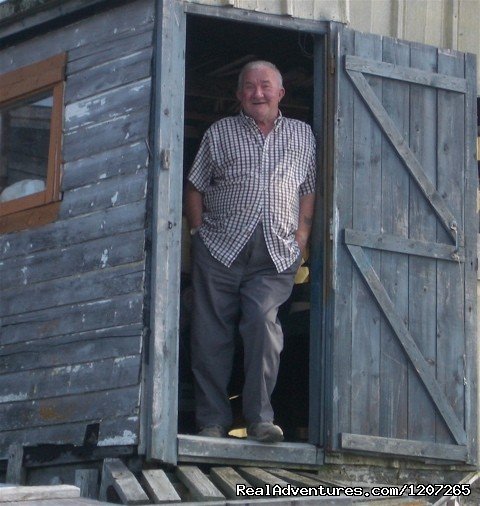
31, 111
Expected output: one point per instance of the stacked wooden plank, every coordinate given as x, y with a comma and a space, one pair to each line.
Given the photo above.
189, 484
50, 495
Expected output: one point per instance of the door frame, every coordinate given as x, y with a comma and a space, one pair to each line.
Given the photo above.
160, 399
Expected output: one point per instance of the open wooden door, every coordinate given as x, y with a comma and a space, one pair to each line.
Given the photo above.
401, 290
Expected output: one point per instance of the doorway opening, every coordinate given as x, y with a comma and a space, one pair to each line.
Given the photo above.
216, 50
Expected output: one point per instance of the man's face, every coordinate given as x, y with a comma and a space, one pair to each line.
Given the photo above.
260, 94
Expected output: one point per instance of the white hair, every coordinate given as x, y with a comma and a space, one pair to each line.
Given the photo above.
257, 64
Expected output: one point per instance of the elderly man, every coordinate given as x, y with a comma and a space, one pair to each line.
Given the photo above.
249, 203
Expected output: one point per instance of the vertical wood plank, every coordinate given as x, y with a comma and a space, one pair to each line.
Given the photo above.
422, 226
471, 234
16, 473
450, 276
367, 202
162, 381
87, 481
394, 267
339, 340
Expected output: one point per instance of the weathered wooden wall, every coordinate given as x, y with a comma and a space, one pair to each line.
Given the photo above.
72, 292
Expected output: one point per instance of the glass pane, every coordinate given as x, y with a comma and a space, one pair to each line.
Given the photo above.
24, 144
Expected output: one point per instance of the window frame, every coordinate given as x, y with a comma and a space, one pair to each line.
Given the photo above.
41, 207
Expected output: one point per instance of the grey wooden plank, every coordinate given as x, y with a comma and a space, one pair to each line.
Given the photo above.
402, 447
367, 180
422, 226
199, 486
73, 408
398, 244
107, 135
98, 52
101, 284
66, 349
38, 492
339, 263
450, 277
227, 479
471, 232
115, 220
259, 477
130, 67
64, 320
104, 194
72, 379
121, 431
73, 433
80, 258
442, 403
87, 481
410, 161
22, 17
108, 105
78, 501
112, 433
16, 473
209, 450
402, 72
159, 487
120, 161
117, 475
394, 268
296, 479
166, 212
102, 27
258, 18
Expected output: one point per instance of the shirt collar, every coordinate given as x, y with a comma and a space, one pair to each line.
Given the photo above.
250, 121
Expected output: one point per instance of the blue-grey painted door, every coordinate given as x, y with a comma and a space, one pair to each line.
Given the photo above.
400, 306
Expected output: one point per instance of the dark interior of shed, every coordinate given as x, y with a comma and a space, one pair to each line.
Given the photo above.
216, 51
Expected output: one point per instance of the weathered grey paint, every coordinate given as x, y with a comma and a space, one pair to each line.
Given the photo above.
383, 195
72, 292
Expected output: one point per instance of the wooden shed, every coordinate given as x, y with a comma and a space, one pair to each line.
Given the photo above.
103, 105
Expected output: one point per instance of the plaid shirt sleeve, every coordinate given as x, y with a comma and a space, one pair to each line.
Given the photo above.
201, 172
308, 186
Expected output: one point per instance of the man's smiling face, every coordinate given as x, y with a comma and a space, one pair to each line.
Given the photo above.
260, 94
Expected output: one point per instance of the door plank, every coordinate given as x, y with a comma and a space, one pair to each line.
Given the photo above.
394, 268
403, 447
367, 144
471, 229
405, 74
340, 309
407, 246
445, 409
450, 277
422, 227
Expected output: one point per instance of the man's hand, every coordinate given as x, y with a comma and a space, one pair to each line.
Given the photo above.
305, 220
193, 206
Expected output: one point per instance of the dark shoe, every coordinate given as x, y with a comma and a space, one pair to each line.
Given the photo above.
213, 431
265, 432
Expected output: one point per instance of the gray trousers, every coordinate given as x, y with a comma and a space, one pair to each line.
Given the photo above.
247, 294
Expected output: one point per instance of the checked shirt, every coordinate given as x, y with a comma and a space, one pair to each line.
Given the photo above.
246, 178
